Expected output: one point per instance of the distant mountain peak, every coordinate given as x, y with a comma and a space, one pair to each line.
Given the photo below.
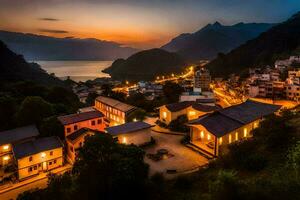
217, 24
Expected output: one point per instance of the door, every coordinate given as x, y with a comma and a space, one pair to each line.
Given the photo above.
45, 166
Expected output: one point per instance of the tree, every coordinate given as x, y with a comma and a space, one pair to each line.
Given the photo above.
137, 115
172, 92
109, 170
8, 108
51, 127
33, 110
90, 100
179, 124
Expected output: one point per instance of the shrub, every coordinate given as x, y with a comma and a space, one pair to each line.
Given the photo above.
179, 124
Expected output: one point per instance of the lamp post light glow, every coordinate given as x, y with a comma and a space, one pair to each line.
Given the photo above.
5, 158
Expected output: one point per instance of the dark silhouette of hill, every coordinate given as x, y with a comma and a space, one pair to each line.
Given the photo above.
146, 65
38, 47
213, 39
278, 42
13, 67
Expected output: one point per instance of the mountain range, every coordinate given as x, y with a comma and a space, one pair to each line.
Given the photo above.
14, 67
38, 47
278, 42
213, 39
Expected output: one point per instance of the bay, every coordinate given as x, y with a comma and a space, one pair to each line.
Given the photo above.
76, 70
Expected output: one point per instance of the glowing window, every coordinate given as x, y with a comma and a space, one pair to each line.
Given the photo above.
124, 141
255, 125
208, 137
202, 134
192, 113
236, 136
6, 158
43, 155
245, 132
5, 147
220, 141
164, 115
229, 138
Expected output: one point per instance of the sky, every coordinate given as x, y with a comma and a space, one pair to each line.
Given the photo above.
137, 23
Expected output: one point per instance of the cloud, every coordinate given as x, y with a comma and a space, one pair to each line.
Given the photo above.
52, 31
48, 19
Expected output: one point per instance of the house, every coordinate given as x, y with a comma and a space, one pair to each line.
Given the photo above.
94, 120
193, 110
115, 111
75, 141
212, 131
137, 133
10, 137
37, 156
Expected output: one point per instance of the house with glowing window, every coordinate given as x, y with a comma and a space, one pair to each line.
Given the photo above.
115, 111
211, 132
137, 133
94, 120
192, 109
11, 137
76, 140
40, 155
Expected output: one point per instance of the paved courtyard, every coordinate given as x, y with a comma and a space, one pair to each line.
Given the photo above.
184, 159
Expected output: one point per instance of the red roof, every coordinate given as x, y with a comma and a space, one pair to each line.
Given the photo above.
79, 117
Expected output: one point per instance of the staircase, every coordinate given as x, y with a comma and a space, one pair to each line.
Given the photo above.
202, 152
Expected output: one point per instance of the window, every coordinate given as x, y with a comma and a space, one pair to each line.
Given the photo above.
30, 158
35, 167
236, 136
30, 169
54, 161
40, 165
208, 137
245, 132
99, 121
93, 123
71, 148
202, 134
68, 130
220, 141
51, 153
50, 163
75, 127
229, 138
192, 113
164, 114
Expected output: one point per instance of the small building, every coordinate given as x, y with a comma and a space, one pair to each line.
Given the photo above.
137, 133
115, 111
212, 131
192, 109
37, 156
202, 80
94, 120
14, 136
76, 140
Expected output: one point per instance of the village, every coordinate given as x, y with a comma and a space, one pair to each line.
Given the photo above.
180, 138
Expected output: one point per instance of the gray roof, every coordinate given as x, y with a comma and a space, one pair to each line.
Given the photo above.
229, 119
81, 132
79, 117
127, 128
18, 134
116, 104
249, 111
36, 146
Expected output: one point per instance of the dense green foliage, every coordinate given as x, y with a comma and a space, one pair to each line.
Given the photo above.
25, 103
146, 65
179, 124
172, 92
278, 42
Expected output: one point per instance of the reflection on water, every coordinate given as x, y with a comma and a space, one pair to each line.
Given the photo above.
77, 70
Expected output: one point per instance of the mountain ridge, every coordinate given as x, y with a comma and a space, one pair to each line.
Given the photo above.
214, 38
41, 47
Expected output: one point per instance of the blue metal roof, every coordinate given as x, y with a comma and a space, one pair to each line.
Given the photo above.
18, 134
